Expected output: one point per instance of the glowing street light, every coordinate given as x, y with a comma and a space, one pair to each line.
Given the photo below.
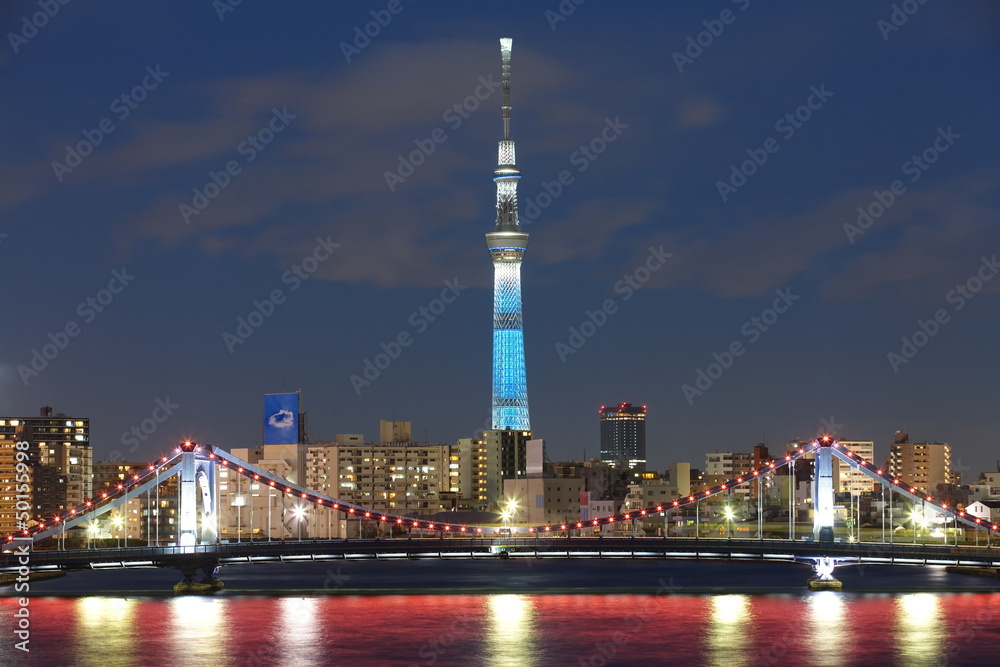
728, 512
117, 521
298, 513
93, 530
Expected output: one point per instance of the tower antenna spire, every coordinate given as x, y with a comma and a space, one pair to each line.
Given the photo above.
505, 46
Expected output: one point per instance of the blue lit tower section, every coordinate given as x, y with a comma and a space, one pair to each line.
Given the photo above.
507, 245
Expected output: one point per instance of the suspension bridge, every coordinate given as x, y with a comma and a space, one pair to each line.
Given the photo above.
199, 548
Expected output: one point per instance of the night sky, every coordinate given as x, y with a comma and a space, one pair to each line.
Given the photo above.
705, 182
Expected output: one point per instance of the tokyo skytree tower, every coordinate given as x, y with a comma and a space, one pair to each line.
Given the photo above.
507, 245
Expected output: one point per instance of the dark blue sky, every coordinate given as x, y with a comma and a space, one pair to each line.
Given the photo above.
879, 97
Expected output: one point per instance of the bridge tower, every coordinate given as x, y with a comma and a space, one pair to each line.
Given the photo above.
197, 478
823, 491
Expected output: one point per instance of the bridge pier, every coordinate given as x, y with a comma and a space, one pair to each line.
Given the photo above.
824, 580
207, 584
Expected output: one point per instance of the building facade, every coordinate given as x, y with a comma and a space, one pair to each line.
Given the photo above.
922, 465
60, 458
850, 479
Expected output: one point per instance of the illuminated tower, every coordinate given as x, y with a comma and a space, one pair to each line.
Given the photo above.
507, 245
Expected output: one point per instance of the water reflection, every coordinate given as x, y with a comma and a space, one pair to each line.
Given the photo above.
919, 633
727, 632
827, 636
510, 634
300, 633
103, 629
197, 631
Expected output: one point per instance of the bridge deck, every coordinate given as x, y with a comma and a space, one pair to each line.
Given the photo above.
543, 547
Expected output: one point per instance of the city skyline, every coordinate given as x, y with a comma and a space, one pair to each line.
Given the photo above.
307, 214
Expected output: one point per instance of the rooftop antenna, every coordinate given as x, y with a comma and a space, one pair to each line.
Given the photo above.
505, 45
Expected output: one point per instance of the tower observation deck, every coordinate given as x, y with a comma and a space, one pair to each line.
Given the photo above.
507, 244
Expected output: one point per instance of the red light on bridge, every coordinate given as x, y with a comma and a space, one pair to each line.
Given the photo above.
548, 528
383, 518
368, 515
579, 525
562, 527
595, 522
611, 519
350, 511
399, 521
660, 509
690, 498
240, 469
479, 530
642, 513
256, 476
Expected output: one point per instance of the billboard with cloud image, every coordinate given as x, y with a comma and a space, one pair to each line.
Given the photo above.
281, 419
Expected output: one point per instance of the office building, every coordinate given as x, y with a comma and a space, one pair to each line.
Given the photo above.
623, 435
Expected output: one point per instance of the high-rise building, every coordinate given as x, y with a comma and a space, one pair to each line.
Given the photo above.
60, 458
723, 466
922, 465
850, 479
623, 435
506, 457
507, 245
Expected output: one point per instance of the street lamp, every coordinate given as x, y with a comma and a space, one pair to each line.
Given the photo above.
92, 531
728, 511
298, 513
117, 521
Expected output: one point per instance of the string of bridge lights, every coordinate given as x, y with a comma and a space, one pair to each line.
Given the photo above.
228, 462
